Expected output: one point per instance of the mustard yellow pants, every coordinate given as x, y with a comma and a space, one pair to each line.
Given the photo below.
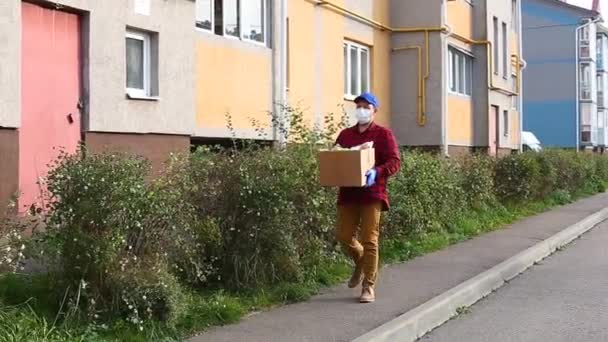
363, 219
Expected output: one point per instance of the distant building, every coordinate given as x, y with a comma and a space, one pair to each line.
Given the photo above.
155, 76
565, 80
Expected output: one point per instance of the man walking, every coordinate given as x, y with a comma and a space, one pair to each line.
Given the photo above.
361, 207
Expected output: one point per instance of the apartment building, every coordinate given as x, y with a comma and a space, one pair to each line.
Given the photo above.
471, 88
153, 76
565, 81
115, 74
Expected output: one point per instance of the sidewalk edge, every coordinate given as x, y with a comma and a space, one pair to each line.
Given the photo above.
417, 322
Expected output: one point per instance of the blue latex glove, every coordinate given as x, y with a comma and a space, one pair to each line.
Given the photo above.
371, 177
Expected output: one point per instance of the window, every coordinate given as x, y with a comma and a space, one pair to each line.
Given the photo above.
138, 64
231, 18
496, 47
460, 72
253, 20
514, 99
600, 91
505, 51
240, 19
505, 123
584, 46
204, 17
514, 15
356, 69
583, 34
585, 81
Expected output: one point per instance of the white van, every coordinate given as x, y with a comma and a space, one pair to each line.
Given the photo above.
530, 142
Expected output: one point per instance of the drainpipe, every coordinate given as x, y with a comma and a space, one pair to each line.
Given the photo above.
444, 84
578, 106
279, 70
520, 100
520, 79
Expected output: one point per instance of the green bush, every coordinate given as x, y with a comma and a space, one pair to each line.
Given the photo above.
477, 180
269, 210
426, 196
119, 243
518, 178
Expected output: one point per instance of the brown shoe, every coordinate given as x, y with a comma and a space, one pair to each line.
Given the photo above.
367, 295
357, 276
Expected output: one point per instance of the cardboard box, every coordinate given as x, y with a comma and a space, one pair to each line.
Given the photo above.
345, 168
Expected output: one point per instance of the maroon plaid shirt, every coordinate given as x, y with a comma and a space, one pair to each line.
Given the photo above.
388, 163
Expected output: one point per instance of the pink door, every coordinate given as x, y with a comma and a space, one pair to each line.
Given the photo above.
50, 81
493, 121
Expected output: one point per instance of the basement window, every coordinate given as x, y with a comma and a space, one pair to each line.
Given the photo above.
356, 69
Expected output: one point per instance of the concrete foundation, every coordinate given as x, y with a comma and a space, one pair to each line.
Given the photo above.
9, 167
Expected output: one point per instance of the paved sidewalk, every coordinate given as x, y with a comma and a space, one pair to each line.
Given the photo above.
562, 299
335, 315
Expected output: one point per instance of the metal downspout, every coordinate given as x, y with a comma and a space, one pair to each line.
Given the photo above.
520, 79
444, 92
279, 69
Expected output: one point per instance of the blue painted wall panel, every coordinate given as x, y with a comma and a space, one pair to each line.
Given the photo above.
549, 80
553, 122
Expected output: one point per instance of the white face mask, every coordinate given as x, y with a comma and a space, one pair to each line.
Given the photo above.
364, 115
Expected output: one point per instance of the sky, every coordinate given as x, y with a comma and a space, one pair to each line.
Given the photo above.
587, 4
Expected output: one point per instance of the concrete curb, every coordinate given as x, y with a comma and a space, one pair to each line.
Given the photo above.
417, 322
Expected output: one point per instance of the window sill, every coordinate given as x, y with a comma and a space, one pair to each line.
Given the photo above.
142, 97
465, 96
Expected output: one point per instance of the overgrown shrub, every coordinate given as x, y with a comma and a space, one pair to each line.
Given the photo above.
121, 244
517, 178
477, 180
117, 243
426, 195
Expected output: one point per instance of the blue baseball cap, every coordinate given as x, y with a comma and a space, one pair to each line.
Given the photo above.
369, 98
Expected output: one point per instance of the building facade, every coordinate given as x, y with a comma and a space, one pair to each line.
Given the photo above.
154, 76
565, 81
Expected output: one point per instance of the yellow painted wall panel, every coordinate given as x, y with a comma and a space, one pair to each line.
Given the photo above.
302, 55
460, 120
514, 129
232, 80
460, 17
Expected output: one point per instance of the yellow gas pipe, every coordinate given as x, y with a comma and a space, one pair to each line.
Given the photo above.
422, 79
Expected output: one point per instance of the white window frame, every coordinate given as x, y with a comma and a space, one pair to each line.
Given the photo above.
515, 15
241, 35
145, 38
349, 93
238, 19
585, 81
506, 122
505, 53
264, 21
584, 34
212, 9
466, 82
496, 47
